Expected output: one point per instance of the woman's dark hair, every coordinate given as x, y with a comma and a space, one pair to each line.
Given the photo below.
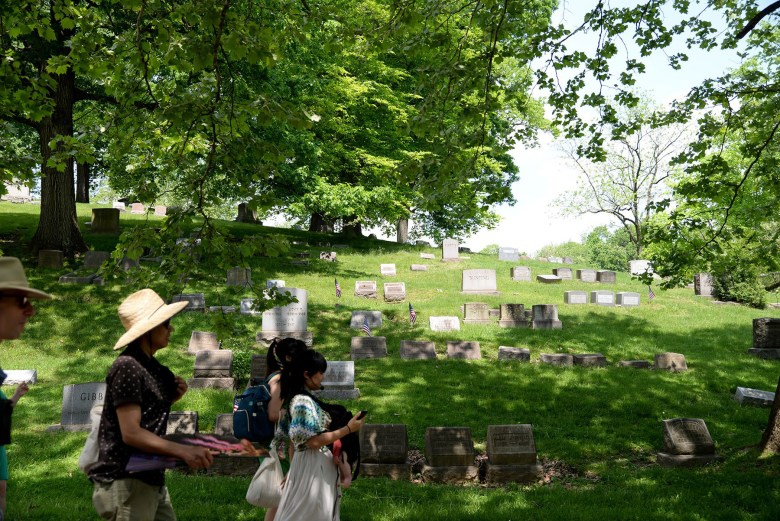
281, 352
292, 379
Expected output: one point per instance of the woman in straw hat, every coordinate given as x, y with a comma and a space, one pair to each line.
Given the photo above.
139, 394
15, 310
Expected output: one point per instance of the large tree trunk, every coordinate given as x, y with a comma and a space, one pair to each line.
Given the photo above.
402, 231
352, 227
82, 182
320, 223
770, 442
57, 226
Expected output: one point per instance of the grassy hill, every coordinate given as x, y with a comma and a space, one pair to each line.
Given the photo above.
596, 430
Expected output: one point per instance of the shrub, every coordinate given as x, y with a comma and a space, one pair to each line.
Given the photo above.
736, 280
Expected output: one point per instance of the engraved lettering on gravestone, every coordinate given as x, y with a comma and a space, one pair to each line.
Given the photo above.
521, 273
387, 270
511, 445
444, 323
449, 446
78, 399
395, 291
449, 249
365, 288
475, 312
575, 297
383, 443
374, 319
479, 281
368, 347
627, 298
292, 317
687, 436
339, 375
602, 298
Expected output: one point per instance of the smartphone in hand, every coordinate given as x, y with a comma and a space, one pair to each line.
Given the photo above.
361, 414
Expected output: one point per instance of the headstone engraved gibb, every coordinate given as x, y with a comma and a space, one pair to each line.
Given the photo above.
373, 318
449, 454
77, 401
514, 353
287, 321
545, 316
195, 301
766, 338
511, 454
479, 281
606, 276
182, 422
575, 297
449, 250
365, 288
329, 256
444, 323
521, 274
137, 208
756, 397
383, 449
368, 347
463, 350
338, 382
394, 291
514, 315
548, 279
419, 267
562, 273
627, 299
203, 341
239, 276
687, 443
671, 362
213, 369
93, 260
586, 275
590, 360
160, 211
602, 298
640, 267
274, 283
702, 284
418, 350
476, 313
508, 254
557, 359
50, 259
387, 270
20, 376
105, 220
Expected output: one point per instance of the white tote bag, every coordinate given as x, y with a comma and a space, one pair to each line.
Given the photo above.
265, 489
91, 451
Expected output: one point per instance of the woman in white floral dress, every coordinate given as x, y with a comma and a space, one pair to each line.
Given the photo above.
311, 491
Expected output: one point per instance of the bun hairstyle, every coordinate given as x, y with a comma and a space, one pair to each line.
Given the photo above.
293, 372
281, 352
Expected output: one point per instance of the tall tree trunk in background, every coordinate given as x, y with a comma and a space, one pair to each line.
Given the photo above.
402, 231
770, 442
82, 182
320, 223
58, 226
352, 227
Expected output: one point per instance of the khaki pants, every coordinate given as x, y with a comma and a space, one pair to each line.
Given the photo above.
132, 500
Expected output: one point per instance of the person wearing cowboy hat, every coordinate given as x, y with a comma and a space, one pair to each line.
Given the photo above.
139, 394
16, 309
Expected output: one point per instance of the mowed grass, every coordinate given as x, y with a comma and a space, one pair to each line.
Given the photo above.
596, 430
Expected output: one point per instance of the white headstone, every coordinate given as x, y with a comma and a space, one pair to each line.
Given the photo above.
270, 283
444, 323
292, 317
508, 254
479, 281
640, 267
387, 270
627, 299
449, 249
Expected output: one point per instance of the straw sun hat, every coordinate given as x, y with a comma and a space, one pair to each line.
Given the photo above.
13, 279
143, 311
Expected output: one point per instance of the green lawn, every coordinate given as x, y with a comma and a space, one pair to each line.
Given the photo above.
596, 430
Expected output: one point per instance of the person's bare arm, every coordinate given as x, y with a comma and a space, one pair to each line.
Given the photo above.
326, 438
275, 403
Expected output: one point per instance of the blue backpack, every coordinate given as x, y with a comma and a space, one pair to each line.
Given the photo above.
250, 413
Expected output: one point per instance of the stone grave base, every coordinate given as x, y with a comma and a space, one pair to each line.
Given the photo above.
768, 354
478, 321
451, 475
547, 324
484, 292
562, 360
266, 337
389, 470
747, 396
685, 460
338, 394
590, 360
222, 309
212, 383
514, 353
75, 278
636, 364
513, 473
514, 323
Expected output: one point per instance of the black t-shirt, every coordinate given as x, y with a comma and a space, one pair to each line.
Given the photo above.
138, 378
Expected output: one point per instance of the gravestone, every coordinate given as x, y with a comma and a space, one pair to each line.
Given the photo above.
555, 260
514, 315
368, 347
586, 275
329, 256
687, 443
383, 449
606, 276
542, 259
548, 279
418, 350
766, 338
387, 270
245, 214
20, 376
50, 259
127, 264
444, 323
75, 278
77, 401
264, 338
374, 319
245, 308
303, 254
702, 284
521, 274
508, 254
274, 283
419, 267
545, 316
222, 309
449, 454
105, 220
203, 341
640, 267
747, 396
224, 424
213, 370
287, 321
627, 299
590, 360
427, 256
137, 208
239, 276
338, 382
195, 301
557, 359
514, 353
671, 362
118, 205
635, 364
395, 291
93, 260
479, 282
258, 368
365, 288
463, 350
160, 211
182, 422
602, 298
575, 297
568, 260
449, 250
562, 273
476, 313
511, 454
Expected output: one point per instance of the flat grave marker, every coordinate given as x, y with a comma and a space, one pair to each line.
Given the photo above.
419, 267
387, 270
444, 323
362, 347
521, 274
374, 319
557, 359
627, 299
463, 350
671, 362
394, 291
755, 397
590, 360
548, 279
514, 353
365, 288
602, 298
195, 301
429, 256
418, 350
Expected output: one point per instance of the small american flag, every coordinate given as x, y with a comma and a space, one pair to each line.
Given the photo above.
366, 329
412, 314
338, 288
650, 293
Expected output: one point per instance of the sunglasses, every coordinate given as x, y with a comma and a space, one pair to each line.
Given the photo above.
21, 300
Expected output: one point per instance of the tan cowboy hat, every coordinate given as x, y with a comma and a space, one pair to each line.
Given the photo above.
13, 279
143, 311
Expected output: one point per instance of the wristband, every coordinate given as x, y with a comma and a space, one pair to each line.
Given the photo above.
349, 431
